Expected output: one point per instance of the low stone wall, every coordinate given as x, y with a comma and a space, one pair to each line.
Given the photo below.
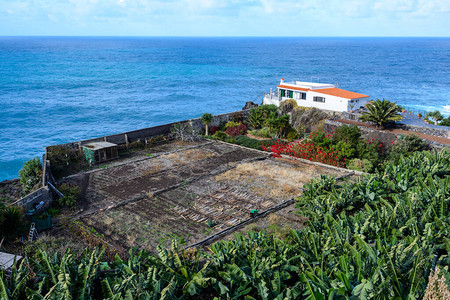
28, 202
142, 134
445, 133
330, 126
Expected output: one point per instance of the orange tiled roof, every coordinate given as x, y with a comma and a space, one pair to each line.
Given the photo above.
292, 88
340, 93
328, 91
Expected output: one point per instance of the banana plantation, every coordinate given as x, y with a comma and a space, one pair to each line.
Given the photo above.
376, 238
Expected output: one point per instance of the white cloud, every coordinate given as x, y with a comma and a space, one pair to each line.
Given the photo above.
396, 5
214, 17
435, 6
358, 8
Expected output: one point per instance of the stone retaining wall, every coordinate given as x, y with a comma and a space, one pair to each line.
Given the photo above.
142, 134
28, 202
330, 126
445, 133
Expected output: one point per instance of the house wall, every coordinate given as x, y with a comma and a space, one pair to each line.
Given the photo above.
331, 102
269, 100
358, 103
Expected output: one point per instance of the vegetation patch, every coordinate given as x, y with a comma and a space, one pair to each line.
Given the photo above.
65, 161
31, 175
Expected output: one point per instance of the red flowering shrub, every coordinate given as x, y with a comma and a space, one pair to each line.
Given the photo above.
213, 129
237, 130
308, 150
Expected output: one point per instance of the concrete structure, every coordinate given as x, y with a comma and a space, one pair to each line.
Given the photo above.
7, 260
319, 95
100, 151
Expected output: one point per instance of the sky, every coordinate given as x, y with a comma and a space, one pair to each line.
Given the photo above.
225, 18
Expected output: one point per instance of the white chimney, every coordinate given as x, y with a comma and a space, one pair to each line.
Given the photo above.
282, 81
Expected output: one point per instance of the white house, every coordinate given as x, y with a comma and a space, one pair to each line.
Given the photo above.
320, 95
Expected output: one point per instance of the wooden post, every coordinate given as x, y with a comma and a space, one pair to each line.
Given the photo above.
126, 140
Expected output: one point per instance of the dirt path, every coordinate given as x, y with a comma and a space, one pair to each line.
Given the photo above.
433, 138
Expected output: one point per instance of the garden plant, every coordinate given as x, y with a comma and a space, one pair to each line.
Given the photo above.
377, 238
381, 112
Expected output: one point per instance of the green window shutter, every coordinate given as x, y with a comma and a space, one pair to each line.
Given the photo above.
291, 94
283, 93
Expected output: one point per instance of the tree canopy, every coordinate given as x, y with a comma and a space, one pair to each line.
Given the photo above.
381, 112
206, 119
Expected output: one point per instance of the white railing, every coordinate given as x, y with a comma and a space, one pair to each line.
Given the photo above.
272, 98
272, 95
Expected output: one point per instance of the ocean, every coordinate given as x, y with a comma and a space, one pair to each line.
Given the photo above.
59, 89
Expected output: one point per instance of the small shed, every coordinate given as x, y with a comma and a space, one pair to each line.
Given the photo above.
7, 260
100, 151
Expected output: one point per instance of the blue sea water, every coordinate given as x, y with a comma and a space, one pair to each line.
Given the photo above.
59, 89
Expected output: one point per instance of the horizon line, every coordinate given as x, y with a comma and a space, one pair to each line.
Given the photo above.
229, 36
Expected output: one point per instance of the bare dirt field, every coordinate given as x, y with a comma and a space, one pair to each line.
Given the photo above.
191, 193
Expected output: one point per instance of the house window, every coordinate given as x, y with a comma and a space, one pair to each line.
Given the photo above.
319, 99
283, 93
291, 94
299, 95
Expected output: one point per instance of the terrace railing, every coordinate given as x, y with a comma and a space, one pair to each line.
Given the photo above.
272, 98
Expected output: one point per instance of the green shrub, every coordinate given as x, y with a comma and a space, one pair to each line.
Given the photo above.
70, 192
245, 141
10, 221
321, 139
357, 164
53, 211
263, 132
65, 161
232, 124
406, 145
231, 140
351, 135
346, 150
292, 135
368, 150
220, 135
279, 125
445, 122
258, 116
31, 174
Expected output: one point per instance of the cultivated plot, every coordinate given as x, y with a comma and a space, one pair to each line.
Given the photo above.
114, 185
193, 193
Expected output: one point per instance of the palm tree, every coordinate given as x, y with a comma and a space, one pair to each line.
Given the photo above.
206, 119
381, 112
436, 116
